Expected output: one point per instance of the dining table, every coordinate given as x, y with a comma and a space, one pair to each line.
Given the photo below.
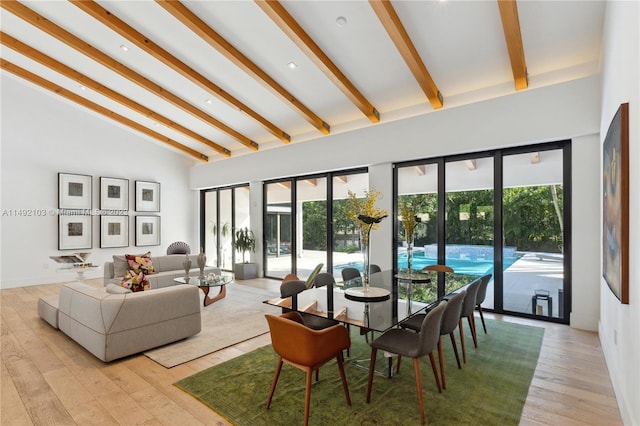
392, 296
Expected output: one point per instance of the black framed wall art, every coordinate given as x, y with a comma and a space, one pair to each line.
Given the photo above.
147, 196
114, 195
147, 230
74, 191
74, 232
114, 231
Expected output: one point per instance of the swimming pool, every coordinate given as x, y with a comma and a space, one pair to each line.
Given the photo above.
476, 267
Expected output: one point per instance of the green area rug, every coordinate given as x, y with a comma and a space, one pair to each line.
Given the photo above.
490, 389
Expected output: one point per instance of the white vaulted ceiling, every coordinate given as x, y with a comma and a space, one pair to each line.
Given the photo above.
462, 46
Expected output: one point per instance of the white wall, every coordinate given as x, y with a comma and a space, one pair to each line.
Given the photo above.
619, 324
41, 136
563, 111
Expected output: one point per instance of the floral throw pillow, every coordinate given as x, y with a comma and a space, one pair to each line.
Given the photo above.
135, 281
140, 263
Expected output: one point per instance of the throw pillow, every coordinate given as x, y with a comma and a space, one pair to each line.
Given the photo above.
140, 263
135, 281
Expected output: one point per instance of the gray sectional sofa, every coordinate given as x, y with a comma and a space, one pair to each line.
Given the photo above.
166, 269
115, 325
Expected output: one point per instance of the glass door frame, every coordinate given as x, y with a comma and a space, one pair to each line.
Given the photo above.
497, 154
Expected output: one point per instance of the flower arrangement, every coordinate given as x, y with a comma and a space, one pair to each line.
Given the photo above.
409, 218
364, 214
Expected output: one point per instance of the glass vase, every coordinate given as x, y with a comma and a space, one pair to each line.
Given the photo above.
409, 253
365, 261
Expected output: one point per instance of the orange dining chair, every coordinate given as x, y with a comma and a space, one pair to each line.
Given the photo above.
415, 345
306, 349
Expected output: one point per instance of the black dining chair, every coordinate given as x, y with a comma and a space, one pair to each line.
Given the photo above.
415, 345
468, 308
450, 320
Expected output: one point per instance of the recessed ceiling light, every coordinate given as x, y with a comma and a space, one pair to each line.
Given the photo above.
82, 87
124, 48
208, 101
341, 21
292, 65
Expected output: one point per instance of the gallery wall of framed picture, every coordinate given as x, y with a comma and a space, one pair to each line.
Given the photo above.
76, 213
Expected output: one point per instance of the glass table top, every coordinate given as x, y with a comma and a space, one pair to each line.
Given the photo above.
407, 298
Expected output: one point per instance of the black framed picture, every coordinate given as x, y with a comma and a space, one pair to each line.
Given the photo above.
114, 194
74, 232
114, 231
147, 230
615, 205
147, 196
74, 191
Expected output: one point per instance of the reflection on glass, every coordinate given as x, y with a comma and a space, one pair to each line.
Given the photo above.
311, 225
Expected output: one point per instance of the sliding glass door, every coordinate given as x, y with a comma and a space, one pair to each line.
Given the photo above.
533, 223
505, 213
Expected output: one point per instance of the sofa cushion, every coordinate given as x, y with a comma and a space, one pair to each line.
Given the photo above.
140, 263
135, 281
121, 265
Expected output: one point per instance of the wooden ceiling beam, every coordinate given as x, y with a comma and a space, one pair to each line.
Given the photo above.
298, 35
513, 36
74, 75
61, 91
144, 43
199, 27
85, 48
471, 164
392, 24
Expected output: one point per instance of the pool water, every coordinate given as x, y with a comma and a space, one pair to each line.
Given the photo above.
478, 267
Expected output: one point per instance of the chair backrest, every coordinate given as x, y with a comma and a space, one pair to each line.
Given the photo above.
294, 341
469, 304
312, 276
438, 268
430, 329
373, 268
451, 315
482, 290
350, 273
290, 277
323, 279
291, 288
179, 247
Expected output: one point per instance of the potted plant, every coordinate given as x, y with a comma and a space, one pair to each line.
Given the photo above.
245, 241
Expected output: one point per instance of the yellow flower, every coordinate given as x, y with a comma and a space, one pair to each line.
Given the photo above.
408, 212
366, 207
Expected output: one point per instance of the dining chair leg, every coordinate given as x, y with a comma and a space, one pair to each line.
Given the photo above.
441, 359
398, 364
472, 326
340, 360
455, 348
464, 352
416, 372
307, 397
317, 374
275, 381
432, 358
372, 366
484, 326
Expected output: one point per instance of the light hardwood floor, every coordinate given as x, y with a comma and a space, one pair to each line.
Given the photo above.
48, 379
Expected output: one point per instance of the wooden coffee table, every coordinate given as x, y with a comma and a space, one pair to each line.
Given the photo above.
205, 286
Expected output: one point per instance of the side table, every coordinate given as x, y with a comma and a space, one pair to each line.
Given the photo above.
205, 285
